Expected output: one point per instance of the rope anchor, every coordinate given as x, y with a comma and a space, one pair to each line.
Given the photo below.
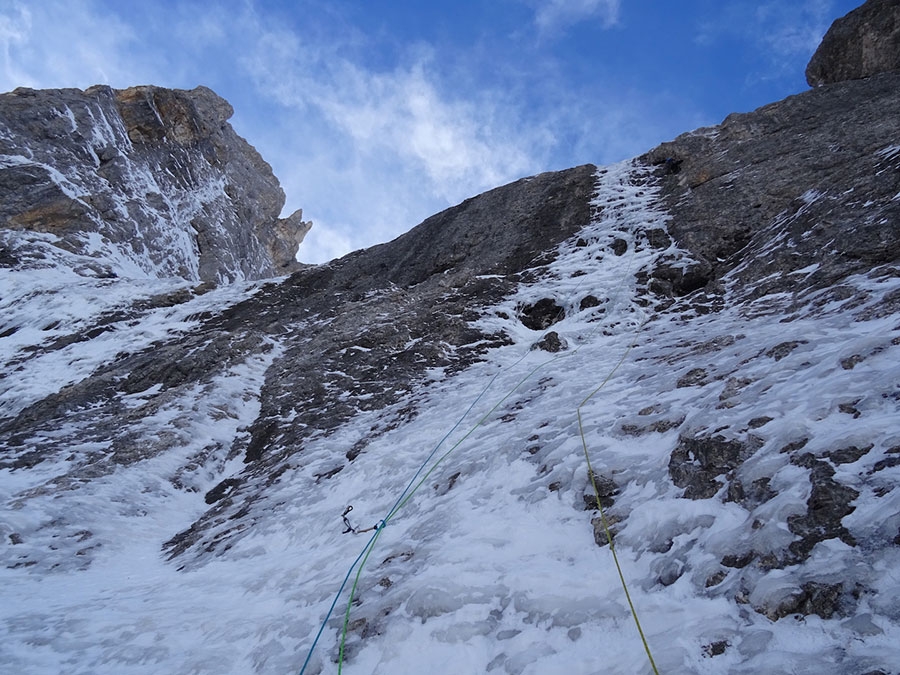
354, 530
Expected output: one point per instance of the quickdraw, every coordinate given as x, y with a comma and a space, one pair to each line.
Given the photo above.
350, 527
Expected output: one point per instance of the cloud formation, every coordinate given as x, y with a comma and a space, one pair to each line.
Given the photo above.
69, 44
784, 32
553, 16
789, 29
390, 146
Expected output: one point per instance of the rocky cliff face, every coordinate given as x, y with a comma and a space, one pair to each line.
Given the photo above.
144, 182
863, 43
720, 317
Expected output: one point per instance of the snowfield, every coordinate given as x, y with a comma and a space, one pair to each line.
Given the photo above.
491, 565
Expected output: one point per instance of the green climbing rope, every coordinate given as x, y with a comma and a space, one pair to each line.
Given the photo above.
603, 520
409, 493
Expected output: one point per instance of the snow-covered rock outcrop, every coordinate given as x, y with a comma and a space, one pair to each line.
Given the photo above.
141, 182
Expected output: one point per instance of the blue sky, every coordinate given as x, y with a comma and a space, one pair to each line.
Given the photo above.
376, 114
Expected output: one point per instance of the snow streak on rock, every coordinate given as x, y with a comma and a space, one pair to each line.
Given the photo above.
58, 327
138, 183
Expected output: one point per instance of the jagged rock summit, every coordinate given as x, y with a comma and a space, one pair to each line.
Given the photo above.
863, 43
715, 324
145, 182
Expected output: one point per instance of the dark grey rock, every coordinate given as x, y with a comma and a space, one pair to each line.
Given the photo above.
752, 495
789, 167
681, 279
620, 246
865, 42
849, 454
697, 463
604, 530
693, 378
503, 231
716, 648
885, 463
782, 349
849, 408
716, 579
606, 488
221, 490
542, 314
738, 561
733, 387
829, 501
551, 342
824, 600
658, 238
659, 426
851, 361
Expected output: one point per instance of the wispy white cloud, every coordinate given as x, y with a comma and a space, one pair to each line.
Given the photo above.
554, 16
782, 31
325, 242
55, 43
411, 146
789, 29
15, 26
455, 144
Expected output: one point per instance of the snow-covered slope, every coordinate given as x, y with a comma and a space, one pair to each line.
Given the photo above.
493, 563
703, 341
